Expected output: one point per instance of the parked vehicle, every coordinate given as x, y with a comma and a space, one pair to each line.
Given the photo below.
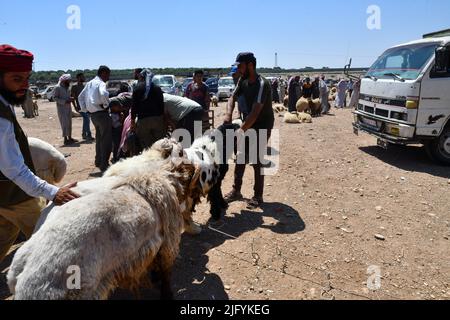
185, 83
405, 97
213, 85
168, 84
225, 88
47, 93
114, 87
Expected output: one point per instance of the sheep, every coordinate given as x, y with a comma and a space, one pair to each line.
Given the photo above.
302, 104
49, 163
113, 237
278, 108
291, 117
304, 117
215, 148
215, 101
315, 107
161, 150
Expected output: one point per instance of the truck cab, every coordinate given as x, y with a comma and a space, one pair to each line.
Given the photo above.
405, 97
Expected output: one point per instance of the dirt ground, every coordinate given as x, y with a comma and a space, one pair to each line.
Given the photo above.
338, 210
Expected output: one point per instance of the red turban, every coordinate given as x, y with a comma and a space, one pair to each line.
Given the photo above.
15, 60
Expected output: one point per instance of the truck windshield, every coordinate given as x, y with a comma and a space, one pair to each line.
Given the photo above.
406, 62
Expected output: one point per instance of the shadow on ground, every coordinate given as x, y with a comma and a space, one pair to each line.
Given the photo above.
408, 158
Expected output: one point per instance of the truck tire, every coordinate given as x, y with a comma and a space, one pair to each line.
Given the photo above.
439, 149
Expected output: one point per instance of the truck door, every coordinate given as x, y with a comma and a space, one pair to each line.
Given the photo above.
434, 105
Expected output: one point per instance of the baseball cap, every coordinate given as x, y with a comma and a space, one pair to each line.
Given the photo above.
233, 70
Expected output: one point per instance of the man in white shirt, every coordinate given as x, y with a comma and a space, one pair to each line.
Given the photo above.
94, 99
23, 194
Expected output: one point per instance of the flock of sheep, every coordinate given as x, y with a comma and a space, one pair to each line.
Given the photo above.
306, 109
126, 224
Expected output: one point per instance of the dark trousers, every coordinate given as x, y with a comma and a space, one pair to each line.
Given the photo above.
189, 120
116, 137
103, 139
258, 176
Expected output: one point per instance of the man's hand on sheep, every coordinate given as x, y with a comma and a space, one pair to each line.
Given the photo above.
65, 195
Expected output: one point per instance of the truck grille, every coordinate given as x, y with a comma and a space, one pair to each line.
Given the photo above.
390, 102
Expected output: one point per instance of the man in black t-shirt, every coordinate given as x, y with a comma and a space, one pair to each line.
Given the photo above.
259, 116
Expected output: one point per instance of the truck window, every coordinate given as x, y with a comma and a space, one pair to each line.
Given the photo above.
434, 74
407, 61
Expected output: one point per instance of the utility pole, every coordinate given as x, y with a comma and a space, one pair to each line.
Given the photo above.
276, 60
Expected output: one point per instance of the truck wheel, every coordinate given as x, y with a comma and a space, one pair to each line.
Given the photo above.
439, 149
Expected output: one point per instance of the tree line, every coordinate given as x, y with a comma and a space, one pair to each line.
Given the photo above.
126, 74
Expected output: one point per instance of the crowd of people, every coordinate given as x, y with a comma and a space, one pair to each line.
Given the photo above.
296, 88
141, 118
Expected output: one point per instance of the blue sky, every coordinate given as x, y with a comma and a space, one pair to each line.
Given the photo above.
202, 33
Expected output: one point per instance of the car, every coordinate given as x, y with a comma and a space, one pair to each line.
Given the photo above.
114, 87
47, 93
168, 84
213, 85
185, 83
225, 88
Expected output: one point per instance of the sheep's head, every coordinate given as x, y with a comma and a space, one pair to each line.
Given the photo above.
168, 148
196, 181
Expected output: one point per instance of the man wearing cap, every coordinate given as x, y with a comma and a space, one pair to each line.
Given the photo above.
22, 192
258, 115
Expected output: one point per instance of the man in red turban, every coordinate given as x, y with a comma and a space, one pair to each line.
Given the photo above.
23, 194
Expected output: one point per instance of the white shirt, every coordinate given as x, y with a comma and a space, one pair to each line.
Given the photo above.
93, 96
13, 166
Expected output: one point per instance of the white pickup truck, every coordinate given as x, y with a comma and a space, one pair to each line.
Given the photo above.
405, 96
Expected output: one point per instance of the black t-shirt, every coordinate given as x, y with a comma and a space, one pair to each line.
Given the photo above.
153, 106
258, 92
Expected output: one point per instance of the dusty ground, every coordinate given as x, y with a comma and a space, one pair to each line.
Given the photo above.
315, 237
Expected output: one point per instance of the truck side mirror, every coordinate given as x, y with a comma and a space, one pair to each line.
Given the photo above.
442, 60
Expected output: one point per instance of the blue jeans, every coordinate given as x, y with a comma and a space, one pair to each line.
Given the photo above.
86, 125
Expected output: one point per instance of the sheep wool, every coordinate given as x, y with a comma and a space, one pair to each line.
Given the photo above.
50, 164
304, 117
291, 118
302, 104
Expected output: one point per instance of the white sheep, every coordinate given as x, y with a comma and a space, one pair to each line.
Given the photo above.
304, 117
50, 164
112, 237
291, 117
302, 104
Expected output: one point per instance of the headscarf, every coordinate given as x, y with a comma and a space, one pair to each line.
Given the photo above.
148, 75
15, 60
65, 77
